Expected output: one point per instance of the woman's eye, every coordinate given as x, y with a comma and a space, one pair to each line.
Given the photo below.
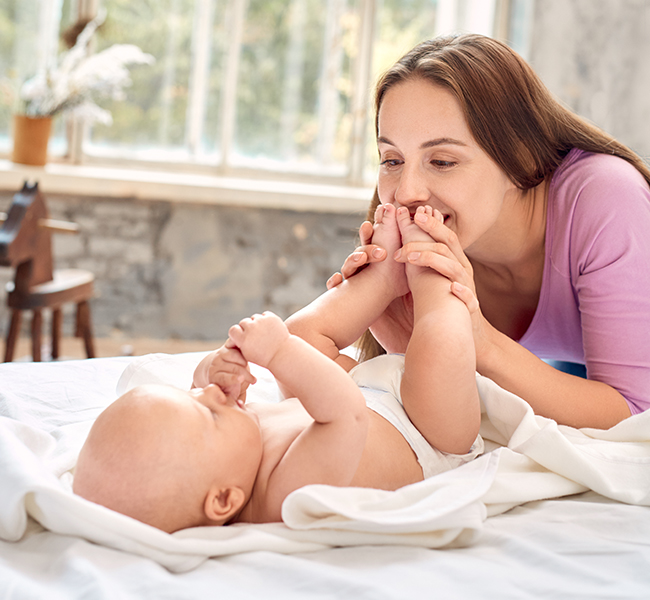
390, 162
443, 164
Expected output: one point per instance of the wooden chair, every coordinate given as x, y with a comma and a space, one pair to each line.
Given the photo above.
26, 244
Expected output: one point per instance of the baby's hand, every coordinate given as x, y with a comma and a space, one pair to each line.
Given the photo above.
227, 368
259, 337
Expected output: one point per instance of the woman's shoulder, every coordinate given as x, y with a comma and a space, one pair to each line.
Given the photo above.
590, 170
592, 183
599, 207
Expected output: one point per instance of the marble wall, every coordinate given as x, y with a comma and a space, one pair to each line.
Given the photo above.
594, 55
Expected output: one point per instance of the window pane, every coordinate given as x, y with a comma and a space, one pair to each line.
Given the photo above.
401, 24
29, 39
293, 102
152, 120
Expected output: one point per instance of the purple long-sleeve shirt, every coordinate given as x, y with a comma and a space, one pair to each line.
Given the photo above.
594, 305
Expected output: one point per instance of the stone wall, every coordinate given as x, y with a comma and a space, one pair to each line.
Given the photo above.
190, 271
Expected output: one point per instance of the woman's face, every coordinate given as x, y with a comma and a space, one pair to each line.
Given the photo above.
429, 157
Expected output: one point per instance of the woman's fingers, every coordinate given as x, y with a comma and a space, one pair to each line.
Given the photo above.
466, 295
362, 256
365, 233
434, 226
448, 267
334, 280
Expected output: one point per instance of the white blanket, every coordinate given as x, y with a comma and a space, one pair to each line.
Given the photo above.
531, 458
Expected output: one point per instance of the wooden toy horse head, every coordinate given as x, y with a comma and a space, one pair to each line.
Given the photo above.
24, 242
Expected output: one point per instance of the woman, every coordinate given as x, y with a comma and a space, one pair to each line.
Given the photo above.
542, 228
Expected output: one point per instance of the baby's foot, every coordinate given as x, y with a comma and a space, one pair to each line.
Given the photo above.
386, 234
385, 230
410, 232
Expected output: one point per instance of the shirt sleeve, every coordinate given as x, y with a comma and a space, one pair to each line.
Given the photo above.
610, 263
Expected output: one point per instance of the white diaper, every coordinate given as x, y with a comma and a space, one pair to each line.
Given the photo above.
380, 379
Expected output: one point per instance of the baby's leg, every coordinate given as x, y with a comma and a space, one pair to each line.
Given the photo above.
439, 385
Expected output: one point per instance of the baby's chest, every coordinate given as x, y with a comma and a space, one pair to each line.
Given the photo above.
281, 424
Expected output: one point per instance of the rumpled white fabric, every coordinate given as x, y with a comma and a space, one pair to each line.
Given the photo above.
529, 458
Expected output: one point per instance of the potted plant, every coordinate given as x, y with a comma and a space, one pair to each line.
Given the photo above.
72, 85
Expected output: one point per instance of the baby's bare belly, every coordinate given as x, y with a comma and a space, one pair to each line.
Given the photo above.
388, 462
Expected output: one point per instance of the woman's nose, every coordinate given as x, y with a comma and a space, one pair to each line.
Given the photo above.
412, 187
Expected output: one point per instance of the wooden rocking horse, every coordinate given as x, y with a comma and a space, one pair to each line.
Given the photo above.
26, 245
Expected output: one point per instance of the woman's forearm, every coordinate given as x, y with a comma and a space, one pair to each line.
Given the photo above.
565, 398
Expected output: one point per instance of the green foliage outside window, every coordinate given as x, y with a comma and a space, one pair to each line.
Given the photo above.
294, 85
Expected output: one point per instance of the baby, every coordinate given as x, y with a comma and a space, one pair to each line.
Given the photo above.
176, 459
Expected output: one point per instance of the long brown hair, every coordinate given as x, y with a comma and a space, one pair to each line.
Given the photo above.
512, 115
510, 112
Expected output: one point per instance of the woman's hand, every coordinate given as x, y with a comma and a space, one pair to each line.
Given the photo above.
361, 257
394, 328
446, 256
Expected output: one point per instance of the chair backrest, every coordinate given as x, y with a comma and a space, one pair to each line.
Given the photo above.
24, 243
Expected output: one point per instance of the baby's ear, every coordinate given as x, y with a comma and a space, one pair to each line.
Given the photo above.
221, 504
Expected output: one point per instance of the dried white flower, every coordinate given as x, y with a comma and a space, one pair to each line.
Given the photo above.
79, 79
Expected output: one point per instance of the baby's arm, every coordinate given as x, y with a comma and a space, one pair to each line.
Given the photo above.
329, 450
439, 383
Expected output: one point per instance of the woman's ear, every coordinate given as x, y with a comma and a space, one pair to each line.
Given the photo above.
222, 504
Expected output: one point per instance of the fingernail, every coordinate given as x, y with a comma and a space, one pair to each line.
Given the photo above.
356, 256
419, 216
438, 215
396, 254
413, 255
377, 252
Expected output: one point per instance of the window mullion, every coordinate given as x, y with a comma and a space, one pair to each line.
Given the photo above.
49, 19
86, 9
201, 50
361, 90
229, 105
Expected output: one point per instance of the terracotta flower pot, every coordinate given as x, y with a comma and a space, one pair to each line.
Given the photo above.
31, 136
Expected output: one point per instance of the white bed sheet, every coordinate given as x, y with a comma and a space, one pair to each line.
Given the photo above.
580, 546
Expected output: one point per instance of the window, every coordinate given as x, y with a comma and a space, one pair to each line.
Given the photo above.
281, 87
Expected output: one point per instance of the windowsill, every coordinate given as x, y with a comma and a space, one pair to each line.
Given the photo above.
112, 182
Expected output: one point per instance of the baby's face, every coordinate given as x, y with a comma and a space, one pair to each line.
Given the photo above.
157, 451
224, 429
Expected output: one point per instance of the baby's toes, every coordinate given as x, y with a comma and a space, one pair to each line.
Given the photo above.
386, 232
409, 230
379, 214
403, 218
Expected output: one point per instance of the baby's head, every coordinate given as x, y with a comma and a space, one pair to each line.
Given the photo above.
171, 458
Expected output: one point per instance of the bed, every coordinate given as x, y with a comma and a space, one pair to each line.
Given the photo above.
548, 512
